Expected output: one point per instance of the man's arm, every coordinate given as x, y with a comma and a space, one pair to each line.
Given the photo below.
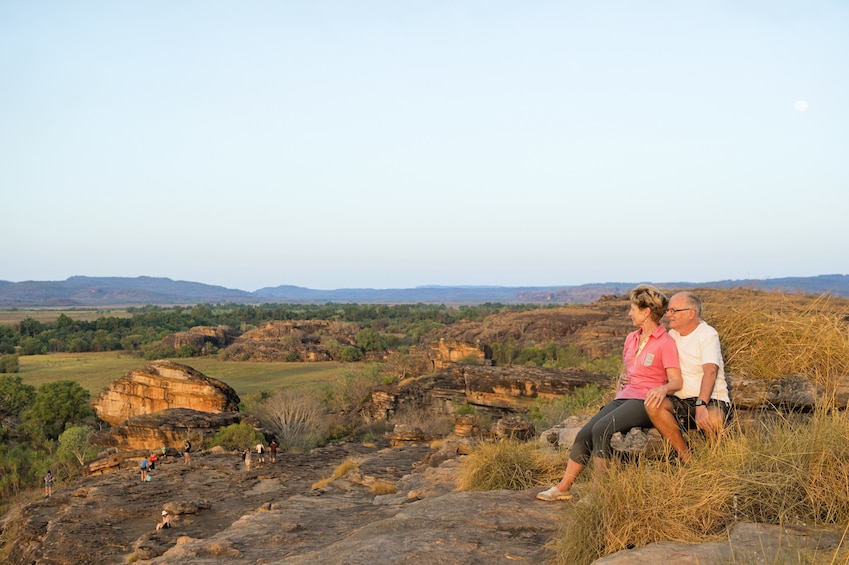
708, 380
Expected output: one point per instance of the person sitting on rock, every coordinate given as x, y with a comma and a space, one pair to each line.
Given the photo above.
166, 521
703, 402
650, 372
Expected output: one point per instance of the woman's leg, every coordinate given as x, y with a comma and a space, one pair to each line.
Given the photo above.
578, 456
630, 413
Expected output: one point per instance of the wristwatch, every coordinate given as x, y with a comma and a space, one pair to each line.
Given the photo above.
700, 402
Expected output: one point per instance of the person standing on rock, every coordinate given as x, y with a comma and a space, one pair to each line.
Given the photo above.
650, 371
186, 448
246, 455
272, 450
144, 464
152, 461
260, 452
703, 402
48, 484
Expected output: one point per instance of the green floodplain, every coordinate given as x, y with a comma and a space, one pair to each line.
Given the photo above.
94, 371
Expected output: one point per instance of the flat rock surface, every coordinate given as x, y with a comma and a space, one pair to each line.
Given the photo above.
221, 513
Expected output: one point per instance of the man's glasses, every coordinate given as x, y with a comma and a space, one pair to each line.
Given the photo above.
676, 310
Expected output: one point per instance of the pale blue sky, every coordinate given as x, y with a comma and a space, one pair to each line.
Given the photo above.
391, 144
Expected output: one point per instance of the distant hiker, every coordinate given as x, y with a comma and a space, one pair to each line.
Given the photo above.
166, 521
246, 455
152, 462
48, 483
260, 451
272, 450
164, 451
186, 448
144, 464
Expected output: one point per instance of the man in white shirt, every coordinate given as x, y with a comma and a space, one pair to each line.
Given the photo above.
703, 402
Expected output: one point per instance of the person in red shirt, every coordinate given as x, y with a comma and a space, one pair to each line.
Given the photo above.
651, 370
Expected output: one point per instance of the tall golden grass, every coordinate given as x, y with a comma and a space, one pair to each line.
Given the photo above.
771, 335
794, 472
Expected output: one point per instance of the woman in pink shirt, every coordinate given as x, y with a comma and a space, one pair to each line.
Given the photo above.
651, 369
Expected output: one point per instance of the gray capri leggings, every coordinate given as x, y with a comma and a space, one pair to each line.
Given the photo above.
615, 416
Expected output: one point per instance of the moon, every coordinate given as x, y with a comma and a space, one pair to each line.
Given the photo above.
801, 105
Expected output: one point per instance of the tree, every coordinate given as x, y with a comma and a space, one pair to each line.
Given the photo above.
32, 346
57, 405
74, 444
9, 364
369, 339
15, 397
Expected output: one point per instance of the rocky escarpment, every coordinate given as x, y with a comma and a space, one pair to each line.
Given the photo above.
499, 390
162, 385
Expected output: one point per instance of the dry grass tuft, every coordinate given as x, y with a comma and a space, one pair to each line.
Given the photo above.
345, 467
511, 465
381, 486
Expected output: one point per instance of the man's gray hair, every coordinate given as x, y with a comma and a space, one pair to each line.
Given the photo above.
693, 301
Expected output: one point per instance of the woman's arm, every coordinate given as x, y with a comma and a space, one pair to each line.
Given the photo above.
674, 382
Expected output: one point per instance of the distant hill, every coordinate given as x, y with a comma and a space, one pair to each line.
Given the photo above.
78, 292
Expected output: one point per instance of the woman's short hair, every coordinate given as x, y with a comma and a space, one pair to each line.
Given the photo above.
647, 296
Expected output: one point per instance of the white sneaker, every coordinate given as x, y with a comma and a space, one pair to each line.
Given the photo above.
552, 495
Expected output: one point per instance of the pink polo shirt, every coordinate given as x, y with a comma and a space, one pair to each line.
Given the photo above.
648, 369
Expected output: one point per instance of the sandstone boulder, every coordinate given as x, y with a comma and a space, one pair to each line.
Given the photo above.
162, 385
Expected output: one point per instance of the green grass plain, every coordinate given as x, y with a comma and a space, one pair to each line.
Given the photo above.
94, 371
49, 315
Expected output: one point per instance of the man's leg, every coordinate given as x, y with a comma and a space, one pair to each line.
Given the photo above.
663, 419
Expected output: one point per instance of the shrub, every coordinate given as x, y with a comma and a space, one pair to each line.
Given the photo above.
298, 419
349, 353
464, 410
236, 436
